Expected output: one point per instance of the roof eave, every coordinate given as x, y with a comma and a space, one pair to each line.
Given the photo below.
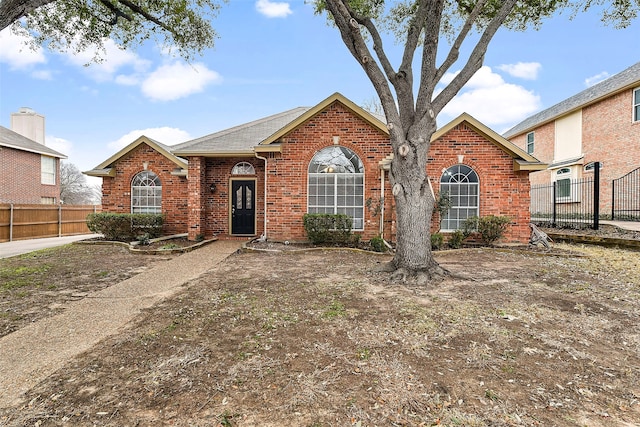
523, 165
234, 153
107, 172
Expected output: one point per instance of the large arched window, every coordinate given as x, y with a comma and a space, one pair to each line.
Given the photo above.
336, 184
460, 183
146, 193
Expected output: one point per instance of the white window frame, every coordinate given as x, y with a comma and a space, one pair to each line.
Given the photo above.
146, 193
462, 179
531, 143
569, 173
47, 170
635, 111
335, 184
243, 168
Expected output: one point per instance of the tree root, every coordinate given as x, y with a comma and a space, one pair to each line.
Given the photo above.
430, 275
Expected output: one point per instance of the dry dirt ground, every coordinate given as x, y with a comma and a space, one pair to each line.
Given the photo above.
319, 338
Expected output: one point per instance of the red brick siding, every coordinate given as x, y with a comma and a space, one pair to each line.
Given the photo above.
502, 191
20, 178
608, 136
288, 172
116, 191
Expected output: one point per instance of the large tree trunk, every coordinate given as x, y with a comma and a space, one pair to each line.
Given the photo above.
413, 260
12, 10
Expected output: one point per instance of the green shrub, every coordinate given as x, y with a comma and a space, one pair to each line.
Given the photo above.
456, 239
125, 227
492, 228
329, 228
437, 239
377, 244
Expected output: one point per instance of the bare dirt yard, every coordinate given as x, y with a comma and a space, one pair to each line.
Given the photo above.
320, 338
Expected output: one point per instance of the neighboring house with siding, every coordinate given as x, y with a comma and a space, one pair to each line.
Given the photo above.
599, 124
261, 177
29, 170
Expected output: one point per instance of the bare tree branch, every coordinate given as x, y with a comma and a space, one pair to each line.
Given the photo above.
12, 10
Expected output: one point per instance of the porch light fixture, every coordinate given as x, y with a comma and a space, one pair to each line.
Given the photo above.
212, 188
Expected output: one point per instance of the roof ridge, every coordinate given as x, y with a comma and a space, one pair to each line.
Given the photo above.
236, 128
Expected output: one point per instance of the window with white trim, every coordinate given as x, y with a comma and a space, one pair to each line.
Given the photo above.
461, 184
530, 142
563, 183
336, 184
146, 193
48, 170
243, 168
636, 105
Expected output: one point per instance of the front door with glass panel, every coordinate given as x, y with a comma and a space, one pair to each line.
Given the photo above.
243, 207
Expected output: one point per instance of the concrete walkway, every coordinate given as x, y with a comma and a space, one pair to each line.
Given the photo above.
19, 247
31, 354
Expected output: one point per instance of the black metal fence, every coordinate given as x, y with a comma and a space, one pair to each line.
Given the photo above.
567, 203
625, 197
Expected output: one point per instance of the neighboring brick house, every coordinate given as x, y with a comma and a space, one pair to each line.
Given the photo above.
261, 177
599, 124
29, 171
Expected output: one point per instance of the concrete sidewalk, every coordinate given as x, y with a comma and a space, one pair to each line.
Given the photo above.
31, 354
19, 247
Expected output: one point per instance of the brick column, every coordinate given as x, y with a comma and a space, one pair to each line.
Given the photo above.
196, 192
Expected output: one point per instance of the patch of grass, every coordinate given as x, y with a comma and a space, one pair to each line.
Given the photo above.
169, 246
21, 276
335, 309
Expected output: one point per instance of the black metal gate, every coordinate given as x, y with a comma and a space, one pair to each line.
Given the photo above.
625, 197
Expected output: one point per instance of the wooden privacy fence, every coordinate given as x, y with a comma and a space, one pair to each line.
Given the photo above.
18, 222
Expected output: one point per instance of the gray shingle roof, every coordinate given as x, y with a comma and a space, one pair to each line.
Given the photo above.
239, 138
613, 84
9, 138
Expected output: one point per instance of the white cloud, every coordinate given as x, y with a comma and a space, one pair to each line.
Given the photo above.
272, 9
494, 102
59, 144
522, 70
590, 81
165, 135
14, 52
177, 80
114, 59
42, 75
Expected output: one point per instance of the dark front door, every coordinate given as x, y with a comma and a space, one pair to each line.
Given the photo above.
243, 207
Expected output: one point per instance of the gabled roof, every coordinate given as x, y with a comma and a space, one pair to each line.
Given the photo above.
624, 80
11, 139
264, 134
105, 168
238, 140
522, 161
336, 97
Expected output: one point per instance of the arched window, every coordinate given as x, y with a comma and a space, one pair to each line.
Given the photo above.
460, 183
146, 193
243, 168
336, 184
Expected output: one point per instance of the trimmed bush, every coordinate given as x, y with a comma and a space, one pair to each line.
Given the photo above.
377, 244
437, 239
456, 239
492, 228
125, 227
329, 228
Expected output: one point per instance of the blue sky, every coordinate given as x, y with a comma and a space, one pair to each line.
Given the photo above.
274, 56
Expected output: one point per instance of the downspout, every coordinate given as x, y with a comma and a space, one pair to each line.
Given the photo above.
264, 230
382, 201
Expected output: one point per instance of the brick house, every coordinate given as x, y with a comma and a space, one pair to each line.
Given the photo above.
599, 124
261, 177
29, 170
